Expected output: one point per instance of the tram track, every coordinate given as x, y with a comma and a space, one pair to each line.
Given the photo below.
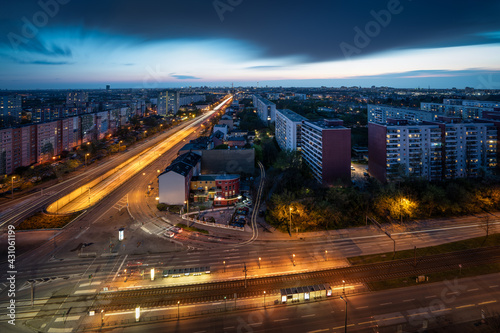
216, 291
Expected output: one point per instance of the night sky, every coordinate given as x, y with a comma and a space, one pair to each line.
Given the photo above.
179, 43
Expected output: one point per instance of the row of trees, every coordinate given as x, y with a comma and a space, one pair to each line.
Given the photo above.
296, 199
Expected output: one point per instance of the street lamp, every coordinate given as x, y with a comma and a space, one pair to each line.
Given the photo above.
259, 261
186, 202
326, 255
224, 262
102, 317
264, 298
119, 146
86, 155
290, 228
343, 287
178, 302
345, 322
293, 260
13, 177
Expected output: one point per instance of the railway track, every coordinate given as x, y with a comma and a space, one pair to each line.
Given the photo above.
216, 291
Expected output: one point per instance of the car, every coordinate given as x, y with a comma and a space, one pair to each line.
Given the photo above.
352, 168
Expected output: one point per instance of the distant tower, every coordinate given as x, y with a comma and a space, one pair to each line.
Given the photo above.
108, 87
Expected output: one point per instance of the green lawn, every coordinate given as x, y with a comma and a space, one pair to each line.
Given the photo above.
492, 240
435, 277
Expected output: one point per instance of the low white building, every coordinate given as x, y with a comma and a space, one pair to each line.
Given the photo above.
174, 182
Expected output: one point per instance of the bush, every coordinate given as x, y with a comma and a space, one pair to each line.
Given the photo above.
162, 207
46, 221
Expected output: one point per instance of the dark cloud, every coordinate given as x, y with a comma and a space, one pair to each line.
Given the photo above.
314, 29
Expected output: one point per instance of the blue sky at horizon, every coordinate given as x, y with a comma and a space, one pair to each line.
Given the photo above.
51, 44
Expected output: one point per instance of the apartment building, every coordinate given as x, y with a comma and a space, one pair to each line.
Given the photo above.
399, 148
168, 102
326, 149
380, 114
447, 148
288, 129
266, 110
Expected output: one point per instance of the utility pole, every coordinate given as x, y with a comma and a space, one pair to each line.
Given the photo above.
345, 322
415, 256
32, 294
245, 271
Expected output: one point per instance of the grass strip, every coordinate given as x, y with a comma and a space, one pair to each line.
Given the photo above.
467, 244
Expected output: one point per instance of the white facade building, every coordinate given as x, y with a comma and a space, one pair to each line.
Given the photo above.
266, 110
288, 129
380, 113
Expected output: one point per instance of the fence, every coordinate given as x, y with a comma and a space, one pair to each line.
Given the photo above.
211, 224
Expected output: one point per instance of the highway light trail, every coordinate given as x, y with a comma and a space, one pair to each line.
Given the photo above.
94, 191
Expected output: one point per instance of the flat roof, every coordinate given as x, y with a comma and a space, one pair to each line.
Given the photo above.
293, 116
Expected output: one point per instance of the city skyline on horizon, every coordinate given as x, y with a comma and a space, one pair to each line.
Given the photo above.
62, 44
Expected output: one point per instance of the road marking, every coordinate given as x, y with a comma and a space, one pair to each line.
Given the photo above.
120, 267
367, 322
89, 284
86, 291
361, 307
278, 320
464, 306
67, 318
409, 300
317, 331
418, 314
447, 309
475, 289
398, 317
496, 285
386, 303
309, 315
432, 296
488, 302
336, 328
60, 330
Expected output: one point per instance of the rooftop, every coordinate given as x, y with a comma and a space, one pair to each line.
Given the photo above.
291, 115
326, 124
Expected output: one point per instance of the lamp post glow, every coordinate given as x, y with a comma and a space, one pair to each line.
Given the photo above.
264, 298
13, 177
293, 260
152, 274
137, 313
259, 261
224, 262
290, 228
326, 255
343, 287
86, 155
178, 303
